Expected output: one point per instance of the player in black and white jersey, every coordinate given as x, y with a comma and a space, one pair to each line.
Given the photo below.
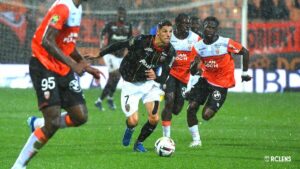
113, 32
145, 69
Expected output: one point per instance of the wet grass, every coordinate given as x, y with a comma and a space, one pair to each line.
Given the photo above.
248, 132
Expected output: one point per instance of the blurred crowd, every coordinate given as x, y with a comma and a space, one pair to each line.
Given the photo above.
19, 15
274, 10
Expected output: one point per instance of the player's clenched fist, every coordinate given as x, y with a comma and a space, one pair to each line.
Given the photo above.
245, 77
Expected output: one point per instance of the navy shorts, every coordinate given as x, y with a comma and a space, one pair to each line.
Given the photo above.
53, 89
203, 92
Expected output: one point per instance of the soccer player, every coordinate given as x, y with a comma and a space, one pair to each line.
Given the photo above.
196, 25
115, 32
183, 40
52, 65
217, 68
145, 68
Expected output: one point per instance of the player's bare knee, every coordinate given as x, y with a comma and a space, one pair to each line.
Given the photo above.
205, 117
208, 114
131, 121
82, 120
154, 121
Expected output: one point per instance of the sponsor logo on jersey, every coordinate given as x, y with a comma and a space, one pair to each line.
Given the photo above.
211, 64
71, 38
148, 49
182, 56
116, 37
144, 62
54, 19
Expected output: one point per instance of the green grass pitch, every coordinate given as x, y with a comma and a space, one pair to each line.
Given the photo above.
246, 133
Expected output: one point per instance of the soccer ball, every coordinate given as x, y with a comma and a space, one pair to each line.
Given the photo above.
164, 146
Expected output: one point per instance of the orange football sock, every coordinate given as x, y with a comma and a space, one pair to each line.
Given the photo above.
166, 123
40, 135
69, 121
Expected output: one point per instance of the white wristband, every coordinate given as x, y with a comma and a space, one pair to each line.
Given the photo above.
244, 73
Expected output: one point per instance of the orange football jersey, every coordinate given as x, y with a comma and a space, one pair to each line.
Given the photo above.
217, 63
181, 66
66, 17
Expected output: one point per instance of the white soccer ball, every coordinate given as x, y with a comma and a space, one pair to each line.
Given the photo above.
164, 146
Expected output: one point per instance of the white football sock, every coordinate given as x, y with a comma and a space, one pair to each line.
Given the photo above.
167, 131
28, 151
39, 123
195, 133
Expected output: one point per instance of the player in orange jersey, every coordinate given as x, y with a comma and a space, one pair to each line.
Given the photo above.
183, 40
53, 63
217, 69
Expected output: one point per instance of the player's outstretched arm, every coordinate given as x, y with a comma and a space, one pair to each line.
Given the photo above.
113, 47
245, 53
79, 59
49, 43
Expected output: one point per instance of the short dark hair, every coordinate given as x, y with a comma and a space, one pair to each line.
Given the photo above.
211, 18
164, 23
181, 17
195, 18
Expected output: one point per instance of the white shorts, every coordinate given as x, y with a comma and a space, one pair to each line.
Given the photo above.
131, 94
112, 62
